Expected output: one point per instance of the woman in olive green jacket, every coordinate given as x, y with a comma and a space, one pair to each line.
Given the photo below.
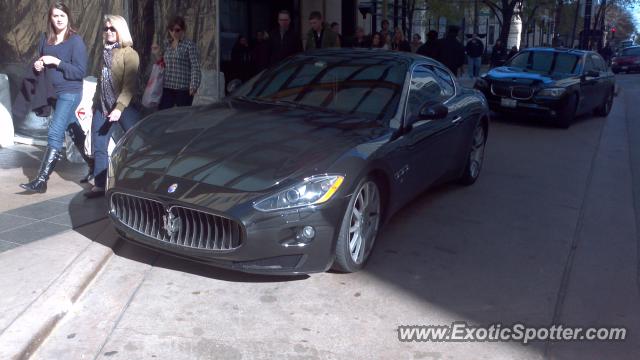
115, 92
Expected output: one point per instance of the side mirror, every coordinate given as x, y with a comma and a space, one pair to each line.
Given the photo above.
233, 85
430, 112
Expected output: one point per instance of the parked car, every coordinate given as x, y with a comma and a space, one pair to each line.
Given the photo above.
297, 170
550, 83
627, 61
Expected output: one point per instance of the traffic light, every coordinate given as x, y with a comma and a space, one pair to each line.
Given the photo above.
613, 33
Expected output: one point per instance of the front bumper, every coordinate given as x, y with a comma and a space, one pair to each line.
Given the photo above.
534, 107
270, 241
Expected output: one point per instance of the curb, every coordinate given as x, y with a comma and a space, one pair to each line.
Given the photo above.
32, 327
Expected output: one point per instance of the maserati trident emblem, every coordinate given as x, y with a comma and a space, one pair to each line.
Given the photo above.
171, 223
172, 188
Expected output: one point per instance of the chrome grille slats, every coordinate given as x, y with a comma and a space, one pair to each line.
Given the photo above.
193, 228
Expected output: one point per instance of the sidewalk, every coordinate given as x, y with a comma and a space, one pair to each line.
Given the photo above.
47, 257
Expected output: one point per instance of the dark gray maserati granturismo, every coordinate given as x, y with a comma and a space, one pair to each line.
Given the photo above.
297, 171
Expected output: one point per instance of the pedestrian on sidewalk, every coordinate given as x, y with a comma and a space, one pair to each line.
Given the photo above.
114, 99
430, 48
451, 51
182, 66
474, 50
320, 36
284, 41
64, 60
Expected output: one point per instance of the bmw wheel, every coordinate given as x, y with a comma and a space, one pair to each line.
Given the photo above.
476, 156
359, 228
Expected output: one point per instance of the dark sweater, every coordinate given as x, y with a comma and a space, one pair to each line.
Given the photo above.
67, 76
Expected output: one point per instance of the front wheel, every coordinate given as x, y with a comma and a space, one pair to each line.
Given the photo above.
476, 156
359, 228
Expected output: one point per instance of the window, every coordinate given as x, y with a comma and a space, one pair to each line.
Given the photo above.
424, 89
588, 64
598, 62
446, 82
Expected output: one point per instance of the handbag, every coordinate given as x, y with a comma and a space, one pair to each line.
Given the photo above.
153, 91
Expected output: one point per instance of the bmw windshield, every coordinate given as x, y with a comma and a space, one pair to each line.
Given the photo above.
546, 62
362, 84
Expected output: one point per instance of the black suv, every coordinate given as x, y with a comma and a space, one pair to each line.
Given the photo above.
549, 82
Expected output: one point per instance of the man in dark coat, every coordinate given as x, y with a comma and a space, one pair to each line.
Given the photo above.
284, 41
451, 51
430, 48
474, 49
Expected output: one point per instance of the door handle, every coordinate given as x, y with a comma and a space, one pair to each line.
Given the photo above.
456, 120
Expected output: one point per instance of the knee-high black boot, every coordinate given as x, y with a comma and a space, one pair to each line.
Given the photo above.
39, 184
78, 137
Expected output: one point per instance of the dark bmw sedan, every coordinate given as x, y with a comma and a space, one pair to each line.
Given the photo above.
550, 83
298, 170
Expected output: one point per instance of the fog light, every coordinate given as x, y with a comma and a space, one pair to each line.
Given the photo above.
307, 233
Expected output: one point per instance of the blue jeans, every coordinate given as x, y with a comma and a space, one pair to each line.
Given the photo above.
101, 130
63, 116
474, 66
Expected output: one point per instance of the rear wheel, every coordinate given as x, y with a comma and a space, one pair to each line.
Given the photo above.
359, 228
605, 108
476, 156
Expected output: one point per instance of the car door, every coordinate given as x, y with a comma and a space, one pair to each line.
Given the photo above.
431, 143
588, 86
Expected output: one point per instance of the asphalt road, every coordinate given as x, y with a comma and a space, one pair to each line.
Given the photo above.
546, 236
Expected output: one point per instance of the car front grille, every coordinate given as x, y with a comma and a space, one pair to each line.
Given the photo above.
519, 92
175, 224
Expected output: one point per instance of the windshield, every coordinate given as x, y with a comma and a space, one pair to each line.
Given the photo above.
364, 84
634, 51
546, 62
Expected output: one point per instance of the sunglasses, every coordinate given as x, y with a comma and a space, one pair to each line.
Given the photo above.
176, 30
109, 28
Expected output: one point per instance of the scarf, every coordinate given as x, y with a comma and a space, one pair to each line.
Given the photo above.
108, 96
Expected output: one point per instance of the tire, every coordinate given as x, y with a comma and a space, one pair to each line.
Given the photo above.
605, 108
568, 114
475, 160
358, 233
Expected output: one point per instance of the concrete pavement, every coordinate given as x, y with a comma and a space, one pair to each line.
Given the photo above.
547, 235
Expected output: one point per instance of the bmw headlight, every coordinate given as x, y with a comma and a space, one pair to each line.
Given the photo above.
312, 191
552, 92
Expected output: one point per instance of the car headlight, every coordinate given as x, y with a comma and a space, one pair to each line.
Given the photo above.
312, 191
552, 92
481, 84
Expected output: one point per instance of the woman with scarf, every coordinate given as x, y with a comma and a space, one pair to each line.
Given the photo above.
114, 94
64, 57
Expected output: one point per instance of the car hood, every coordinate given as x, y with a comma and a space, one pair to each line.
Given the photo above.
237, 146
626, 59
516, 74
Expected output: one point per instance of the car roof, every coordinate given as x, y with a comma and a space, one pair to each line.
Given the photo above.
559, 49
380, 54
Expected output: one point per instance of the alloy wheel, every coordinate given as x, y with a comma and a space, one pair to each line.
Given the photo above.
476, 156
364, 221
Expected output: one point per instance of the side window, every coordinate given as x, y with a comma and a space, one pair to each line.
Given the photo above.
600, 64
424, 88
588, 64
446, 82
596, 63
